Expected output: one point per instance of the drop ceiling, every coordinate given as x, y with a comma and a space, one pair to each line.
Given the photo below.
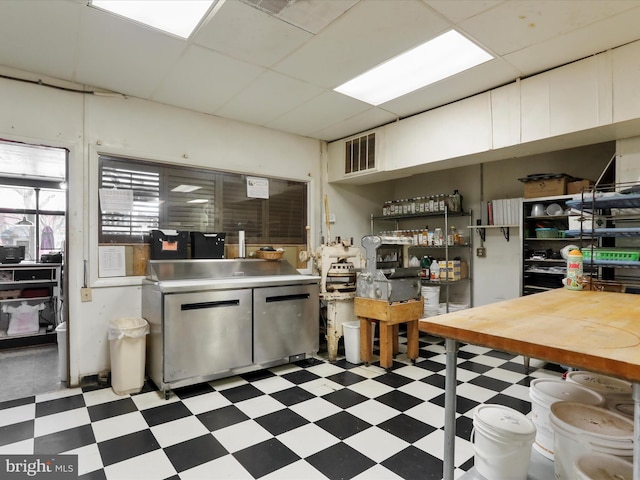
274, 63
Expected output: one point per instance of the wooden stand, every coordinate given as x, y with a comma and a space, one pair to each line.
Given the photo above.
389, 316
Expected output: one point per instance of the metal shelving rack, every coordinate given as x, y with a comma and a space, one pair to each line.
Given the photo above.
445, 217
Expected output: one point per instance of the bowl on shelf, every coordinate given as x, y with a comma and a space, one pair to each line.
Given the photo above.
554, 209
537, 210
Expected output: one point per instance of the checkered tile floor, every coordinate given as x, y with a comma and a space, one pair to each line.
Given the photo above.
308, 420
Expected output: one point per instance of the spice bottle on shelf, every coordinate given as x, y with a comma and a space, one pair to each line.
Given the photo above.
452, 236
438, 237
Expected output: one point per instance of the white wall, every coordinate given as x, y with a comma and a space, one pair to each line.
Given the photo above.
88, 125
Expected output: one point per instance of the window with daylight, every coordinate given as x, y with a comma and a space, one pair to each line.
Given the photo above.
196, 199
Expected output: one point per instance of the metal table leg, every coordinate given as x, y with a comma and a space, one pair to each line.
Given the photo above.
636, 431
450, 408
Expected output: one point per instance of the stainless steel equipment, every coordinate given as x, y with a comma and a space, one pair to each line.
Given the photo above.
386, 275
215, 318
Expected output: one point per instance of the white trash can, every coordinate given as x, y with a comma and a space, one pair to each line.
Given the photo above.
351, 333
127, 347
61, 332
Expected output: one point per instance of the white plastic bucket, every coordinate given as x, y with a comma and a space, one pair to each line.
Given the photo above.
544, 392
598, 466
502, 439
351, 333
431, 295
621, 403
601, 383
584, 429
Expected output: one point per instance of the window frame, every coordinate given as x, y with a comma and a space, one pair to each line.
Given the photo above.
220, 202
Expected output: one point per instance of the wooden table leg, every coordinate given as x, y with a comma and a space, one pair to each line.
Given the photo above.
396, 343
412, 339
365, 340
386, 345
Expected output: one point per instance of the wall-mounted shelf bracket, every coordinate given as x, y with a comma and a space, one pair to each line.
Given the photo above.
482, 230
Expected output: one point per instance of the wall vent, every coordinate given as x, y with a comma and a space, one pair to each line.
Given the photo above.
360, 154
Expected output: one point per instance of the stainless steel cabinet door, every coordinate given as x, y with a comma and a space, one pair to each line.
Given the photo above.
206, 332
285, 321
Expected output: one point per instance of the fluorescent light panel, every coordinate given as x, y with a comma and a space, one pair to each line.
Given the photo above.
179, 17
439, 58
185, 188
198, 200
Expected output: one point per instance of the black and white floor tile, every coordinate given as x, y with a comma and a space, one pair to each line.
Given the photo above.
308, 420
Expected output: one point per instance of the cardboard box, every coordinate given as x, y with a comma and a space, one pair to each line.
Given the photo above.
455, 269
578, 186
546, 187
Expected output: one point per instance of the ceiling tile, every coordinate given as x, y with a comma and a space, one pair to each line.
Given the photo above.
319, 113
120, 55
40, 37
609, 33
203, 80
314, 15
268, 97
249, 34
525, 23
461, 9
368, 34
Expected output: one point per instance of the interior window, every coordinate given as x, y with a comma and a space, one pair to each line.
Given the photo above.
194, 199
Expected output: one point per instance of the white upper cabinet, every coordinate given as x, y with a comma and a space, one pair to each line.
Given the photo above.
626, 79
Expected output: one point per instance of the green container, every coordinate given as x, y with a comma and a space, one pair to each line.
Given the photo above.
611, 254
547, 233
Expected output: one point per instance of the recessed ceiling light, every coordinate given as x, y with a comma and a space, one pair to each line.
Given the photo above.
198, 200
439, 58
185, 188
179, 17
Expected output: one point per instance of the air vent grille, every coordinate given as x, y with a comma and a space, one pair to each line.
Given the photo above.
360, 154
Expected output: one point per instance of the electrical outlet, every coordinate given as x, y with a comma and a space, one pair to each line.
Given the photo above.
481, 252
85, 294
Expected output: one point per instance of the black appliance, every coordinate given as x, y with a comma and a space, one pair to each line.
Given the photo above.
11, 254
51, 257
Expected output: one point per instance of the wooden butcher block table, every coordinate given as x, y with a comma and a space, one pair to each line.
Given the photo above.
588, 330
389, 316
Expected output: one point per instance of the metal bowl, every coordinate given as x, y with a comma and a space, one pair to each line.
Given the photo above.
554, 209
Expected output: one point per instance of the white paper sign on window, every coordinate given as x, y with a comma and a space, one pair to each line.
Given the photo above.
257, 187
114, 200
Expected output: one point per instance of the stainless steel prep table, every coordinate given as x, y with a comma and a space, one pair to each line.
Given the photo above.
215, 318
595, 331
